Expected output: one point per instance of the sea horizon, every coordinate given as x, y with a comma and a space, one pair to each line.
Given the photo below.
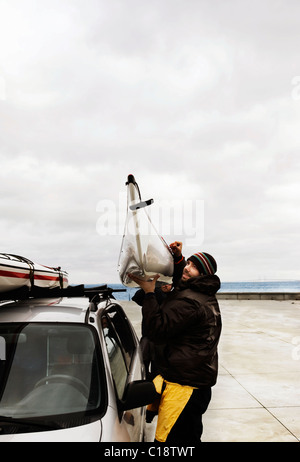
263, 286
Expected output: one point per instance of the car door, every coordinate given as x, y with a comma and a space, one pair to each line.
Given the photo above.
125, 363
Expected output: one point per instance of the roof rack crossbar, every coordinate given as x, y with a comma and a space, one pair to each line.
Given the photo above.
25, 293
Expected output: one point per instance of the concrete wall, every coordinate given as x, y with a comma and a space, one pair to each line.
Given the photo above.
258, 296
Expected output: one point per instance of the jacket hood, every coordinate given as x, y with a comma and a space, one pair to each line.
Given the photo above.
207, 284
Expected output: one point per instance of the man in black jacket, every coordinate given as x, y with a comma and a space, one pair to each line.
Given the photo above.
185, 329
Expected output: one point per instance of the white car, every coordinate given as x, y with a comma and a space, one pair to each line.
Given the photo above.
70, 369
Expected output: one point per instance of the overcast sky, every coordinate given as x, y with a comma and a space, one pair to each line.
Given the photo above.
199, 99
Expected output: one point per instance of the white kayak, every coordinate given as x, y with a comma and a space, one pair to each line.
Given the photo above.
17, 272
143, 251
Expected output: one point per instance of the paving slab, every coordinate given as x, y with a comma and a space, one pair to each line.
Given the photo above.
244, 425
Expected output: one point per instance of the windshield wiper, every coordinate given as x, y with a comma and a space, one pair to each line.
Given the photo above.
28, 423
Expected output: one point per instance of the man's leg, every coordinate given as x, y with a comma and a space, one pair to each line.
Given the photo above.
188, 427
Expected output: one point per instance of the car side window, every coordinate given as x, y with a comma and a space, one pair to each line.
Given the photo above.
120, 346
116, 358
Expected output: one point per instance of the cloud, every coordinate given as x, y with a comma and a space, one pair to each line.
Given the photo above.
194, 98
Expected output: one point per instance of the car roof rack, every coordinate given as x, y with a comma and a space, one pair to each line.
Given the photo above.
92, 293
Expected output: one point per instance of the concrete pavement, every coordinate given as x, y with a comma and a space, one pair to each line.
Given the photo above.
257, 396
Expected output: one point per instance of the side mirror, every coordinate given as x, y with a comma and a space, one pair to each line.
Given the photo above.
138, 393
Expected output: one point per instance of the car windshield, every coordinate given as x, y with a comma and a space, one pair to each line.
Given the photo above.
48, 369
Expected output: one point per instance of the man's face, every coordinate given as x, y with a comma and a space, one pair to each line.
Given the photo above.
190, 271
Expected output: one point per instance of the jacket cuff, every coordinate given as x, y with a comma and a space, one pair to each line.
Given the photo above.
149, 295
178, 260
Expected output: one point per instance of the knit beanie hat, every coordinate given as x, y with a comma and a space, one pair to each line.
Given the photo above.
204, 262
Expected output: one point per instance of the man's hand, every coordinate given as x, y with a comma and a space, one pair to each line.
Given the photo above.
148, 285
176, 248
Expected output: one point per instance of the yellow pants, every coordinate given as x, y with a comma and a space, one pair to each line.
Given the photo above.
172, 402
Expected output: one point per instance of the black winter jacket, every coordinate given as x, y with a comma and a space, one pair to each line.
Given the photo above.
186, 329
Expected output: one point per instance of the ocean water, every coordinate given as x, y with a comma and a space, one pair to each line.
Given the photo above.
245, 286
261, 286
